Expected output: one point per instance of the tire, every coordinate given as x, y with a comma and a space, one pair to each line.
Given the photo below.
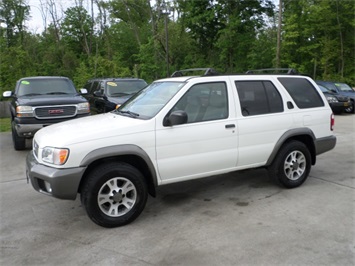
19, 142
292, 165
350, 108
114, 194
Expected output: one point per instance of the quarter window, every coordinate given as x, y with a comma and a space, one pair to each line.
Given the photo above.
302, 92
258, 97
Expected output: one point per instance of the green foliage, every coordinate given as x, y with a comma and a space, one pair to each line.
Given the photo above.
128, 38
5, 124
319, 39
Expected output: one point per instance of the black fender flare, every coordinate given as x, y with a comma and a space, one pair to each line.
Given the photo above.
121, 150
296, 133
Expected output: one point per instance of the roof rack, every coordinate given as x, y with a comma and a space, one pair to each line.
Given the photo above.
207, 72
288, 71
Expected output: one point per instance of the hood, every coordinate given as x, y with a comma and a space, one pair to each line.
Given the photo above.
40, 100
89, 128
350, 94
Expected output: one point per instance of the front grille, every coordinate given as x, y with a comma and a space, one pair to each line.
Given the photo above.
55, 112
342, 98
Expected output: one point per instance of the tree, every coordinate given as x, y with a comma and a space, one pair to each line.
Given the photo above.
76, 30
14, 13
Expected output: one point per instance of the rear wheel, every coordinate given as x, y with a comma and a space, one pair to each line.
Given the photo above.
292, 165
19, 142
114, 194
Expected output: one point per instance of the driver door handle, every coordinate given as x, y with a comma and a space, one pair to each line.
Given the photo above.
230, 126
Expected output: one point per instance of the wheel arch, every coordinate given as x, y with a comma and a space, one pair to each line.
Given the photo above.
304, 135
130, 154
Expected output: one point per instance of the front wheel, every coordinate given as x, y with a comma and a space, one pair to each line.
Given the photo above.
292, 165
350, 108
19, 142
114, 194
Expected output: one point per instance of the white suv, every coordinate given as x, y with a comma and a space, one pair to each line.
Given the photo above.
179, 129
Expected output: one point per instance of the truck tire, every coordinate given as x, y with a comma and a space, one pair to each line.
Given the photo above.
19, 142
350, 109
292, 165
114, 194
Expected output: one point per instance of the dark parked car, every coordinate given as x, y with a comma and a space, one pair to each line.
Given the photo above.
337, 102
342, 89
107, 94
41, 101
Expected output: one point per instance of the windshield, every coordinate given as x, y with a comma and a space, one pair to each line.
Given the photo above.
343, 87
323, 89
126, 87
43, 86
149, 101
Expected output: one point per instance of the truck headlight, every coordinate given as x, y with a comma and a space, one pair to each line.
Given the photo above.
24, 111
55, 155
332, 99
83, 108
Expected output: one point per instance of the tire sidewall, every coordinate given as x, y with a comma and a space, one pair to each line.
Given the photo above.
278, 167
100, 176
351, 108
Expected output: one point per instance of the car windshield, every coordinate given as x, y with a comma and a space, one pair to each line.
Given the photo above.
124, 87
42, 86
149, 101
323, 89
344, 87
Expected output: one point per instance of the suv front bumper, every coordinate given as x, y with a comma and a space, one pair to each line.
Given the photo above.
28, 126
58, 183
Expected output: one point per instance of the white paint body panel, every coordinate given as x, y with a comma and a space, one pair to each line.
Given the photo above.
189, 151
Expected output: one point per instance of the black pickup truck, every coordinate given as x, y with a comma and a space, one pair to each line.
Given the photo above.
41, 101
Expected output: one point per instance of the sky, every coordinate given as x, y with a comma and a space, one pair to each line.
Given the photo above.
36, 23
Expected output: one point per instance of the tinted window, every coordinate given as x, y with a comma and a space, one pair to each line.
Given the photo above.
258, 97
124, 87
302, 92
205, 102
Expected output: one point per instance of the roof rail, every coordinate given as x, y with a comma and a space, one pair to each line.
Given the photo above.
207, 72
288, 71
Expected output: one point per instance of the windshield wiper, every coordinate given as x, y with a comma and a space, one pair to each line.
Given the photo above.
118, 94
132, 114
57, 92
31, 94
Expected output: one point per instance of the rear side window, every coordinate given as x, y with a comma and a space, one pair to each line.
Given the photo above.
258, 97
302, 92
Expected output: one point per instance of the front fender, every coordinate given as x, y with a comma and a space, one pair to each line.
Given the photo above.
121, 150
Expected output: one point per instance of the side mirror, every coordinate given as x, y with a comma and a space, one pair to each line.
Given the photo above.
7, 94
176, 118
83, 91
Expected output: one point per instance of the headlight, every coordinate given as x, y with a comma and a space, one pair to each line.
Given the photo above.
55, 155
332, 99
83, 108
24, 111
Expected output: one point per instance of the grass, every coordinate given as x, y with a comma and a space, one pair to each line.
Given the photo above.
5, 124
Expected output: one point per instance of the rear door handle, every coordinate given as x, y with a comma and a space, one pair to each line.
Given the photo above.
230, 126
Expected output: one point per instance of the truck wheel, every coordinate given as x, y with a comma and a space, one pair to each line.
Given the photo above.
114, 194
350, 108
19, 142
292, 165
